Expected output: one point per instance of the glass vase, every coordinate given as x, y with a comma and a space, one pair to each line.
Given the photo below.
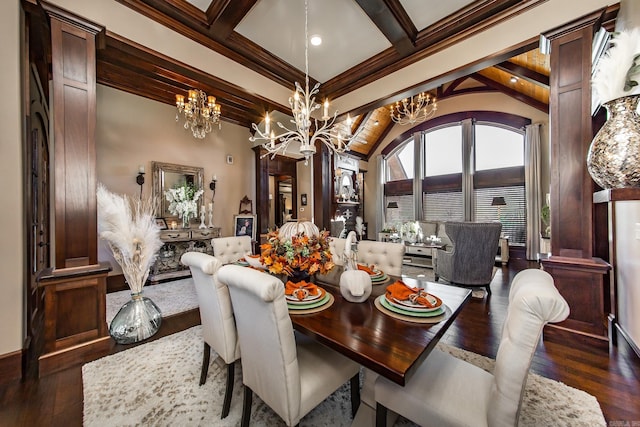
185, 220
137, 320
613, 159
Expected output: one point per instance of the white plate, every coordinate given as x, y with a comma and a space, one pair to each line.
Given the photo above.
293, 300
411, 306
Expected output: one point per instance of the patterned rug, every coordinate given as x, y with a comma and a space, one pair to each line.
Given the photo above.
157, 384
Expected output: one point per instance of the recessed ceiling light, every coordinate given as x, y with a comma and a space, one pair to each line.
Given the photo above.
513, 79
316, 40
376, 123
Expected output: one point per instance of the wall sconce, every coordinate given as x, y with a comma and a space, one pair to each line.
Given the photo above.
212, 187
140, 179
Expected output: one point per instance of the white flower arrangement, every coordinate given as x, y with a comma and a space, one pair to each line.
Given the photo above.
183, 200
129, 228
617, 70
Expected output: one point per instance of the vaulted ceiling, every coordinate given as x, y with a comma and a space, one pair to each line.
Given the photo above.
363, 41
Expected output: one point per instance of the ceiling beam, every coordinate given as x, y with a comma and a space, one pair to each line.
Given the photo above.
512, 93
389, 24
524, 73
225, 15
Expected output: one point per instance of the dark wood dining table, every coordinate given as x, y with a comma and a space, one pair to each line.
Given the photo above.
388, 346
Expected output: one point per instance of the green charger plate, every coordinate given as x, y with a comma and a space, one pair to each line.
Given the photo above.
385, 304
313, 304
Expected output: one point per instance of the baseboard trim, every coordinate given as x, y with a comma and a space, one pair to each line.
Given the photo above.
10, 367
71, 356
628, 339
562, 335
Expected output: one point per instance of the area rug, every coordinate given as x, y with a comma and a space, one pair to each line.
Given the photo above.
171, 298
156, 384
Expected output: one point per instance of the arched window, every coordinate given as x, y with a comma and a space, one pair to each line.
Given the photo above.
496, 169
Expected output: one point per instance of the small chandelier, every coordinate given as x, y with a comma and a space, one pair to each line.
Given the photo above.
200, 112
302, 105
414, 110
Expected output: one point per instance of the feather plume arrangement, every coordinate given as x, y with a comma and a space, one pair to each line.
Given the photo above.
618, 71
128, 226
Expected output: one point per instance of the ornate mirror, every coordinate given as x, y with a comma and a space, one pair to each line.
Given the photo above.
166, 176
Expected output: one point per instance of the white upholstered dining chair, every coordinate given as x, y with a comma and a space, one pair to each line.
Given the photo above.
216, 315
292, 376
231, 249
386, 256
446, 391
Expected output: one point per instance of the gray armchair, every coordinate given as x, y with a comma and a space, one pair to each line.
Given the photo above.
470, 260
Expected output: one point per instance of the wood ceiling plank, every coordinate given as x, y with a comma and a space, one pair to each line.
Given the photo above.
513, 93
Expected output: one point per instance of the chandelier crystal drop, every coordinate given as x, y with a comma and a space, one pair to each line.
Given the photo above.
200, 112
307, 129
413, 110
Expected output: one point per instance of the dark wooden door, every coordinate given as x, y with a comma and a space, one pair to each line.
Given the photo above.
37, 213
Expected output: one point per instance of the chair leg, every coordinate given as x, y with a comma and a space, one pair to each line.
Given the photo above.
381, 415
246, 407
228, 392
355, 394
488, 288
205, 363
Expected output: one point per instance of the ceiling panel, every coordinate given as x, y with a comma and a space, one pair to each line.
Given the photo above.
203, 5
425, 13
348, 35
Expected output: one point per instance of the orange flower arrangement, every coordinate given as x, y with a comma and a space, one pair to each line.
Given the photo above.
301, 252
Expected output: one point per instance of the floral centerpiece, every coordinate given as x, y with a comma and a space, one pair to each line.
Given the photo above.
183, 201
411, 231
304, 249
128, 226
618, 71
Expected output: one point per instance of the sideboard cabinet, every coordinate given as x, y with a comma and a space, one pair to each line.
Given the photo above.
176, 243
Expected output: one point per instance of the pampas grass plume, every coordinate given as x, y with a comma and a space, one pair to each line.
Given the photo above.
617, 66
128, 226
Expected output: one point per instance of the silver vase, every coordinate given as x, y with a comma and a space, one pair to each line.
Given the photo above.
614, 155
137, 320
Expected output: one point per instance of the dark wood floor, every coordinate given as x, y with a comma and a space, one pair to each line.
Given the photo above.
613, 376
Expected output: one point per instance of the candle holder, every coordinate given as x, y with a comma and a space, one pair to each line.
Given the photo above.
202, 216
211, 218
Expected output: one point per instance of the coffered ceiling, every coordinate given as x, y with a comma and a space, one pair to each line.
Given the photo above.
362, 41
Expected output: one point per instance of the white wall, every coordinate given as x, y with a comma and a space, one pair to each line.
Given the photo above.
11, 216
627, 269
472, 102
133, 131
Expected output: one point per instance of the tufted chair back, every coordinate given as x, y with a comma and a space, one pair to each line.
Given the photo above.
231, 249
386, 256
216, 314
533, 302
446, 391
336, 246
291, 377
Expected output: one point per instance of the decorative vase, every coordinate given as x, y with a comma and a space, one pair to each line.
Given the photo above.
137, 320
299, 275
614, 155
185, 220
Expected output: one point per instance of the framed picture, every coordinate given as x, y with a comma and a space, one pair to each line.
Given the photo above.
160, 222
244, 225
303, 199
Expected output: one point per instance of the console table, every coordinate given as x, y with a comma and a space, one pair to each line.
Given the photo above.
176, 243
421, 254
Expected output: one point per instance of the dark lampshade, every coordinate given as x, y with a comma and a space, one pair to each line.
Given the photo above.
498, 201
392, 205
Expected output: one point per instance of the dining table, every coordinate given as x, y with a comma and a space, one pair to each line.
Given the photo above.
381, 343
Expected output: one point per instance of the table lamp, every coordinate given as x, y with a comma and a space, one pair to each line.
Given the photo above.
499, 202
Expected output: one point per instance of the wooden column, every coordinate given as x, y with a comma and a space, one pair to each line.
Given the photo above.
577, 273
322, 182
75, 289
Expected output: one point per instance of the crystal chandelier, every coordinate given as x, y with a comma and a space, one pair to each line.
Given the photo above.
414, 110
302, 103
200, 112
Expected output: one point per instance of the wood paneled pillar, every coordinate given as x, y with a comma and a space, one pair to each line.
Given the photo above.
578, 275
322, 182
75, 289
